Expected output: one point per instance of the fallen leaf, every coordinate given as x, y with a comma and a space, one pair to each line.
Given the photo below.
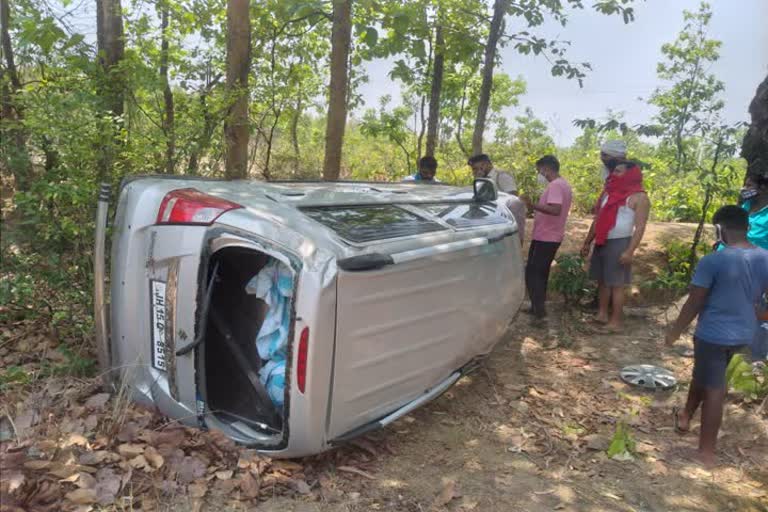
128, 433
190, 469
249, 486
302, 487
91, 422
85, 481
287, 465
36, 465
97, 401
108, 484
130, 450
224, 475
172, 437
197, 489
82, 496
356, 471
63, 471
153, 457
139, 462
96, 457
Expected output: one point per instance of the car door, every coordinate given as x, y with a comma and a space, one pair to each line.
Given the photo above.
407, 321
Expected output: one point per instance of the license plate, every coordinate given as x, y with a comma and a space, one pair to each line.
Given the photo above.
157, 296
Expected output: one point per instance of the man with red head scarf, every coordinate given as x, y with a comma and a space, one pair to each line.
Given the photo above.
621, 214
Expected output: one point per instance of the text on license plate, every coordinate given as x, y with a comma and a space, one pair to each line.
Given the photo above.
157, 298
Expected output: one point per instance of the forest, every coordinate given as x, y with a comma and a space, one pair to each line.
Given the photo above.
93, 92
271, 90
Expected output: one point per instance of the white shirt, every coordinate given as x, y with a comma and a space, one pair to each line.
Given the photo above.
504, 181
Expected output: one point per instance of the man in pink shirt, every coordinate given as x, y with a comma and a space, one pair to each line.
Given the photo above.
550, 215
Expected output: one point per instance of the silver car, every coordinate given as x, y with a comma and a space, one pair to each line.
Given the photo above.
295, 316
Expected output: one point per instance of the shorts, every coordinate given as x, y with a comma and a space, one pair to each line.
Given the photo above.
604, 266
710, 361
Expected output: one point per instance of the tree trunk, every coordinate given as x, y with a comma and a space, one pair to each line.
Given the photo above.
168, 117
295, 135
692, 256
13, 131
111, 47
499, 10
238, 63
754, 147
341, 34
437, 87
203, 141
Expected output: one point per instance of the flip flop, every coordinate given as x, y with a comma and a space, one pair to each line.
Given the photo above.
594, 320
676, 422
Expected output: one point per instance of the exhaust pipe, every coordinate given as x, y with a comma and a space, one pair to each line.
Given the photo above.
99, 299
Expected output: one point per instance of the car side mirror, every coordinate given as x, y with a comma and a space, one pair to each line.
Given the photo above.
485, 190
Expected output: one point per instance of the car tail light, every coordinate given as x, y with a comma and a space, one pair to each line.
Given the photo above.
190, 206
301, 364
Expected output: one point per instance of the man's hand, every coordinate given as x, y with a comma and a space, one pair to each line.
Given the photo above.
626, 257
527, 201
673, 334
585, 249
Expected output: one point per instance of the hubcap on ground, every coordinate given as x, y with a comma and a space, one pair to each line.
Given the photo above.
648, 376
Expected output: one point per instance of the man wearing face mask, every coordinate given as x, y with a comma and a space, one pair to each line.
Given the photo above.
754, 200
621, 216
550, 216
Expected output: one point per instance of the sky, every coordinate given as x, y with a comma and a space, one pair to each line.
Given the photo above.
623, 59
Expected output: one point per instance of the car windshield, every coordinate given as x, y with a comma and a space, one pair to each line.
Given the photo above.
361, 224
466, 215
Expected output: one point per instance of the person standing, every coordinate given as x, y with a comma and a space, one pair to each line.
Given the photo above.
427, 171
754, 200
617, 230
725, 287
550, 215
611, 148
482, 167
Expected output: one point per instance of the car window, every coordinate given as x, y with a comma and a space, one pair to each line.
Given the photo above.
466, 215
368, 223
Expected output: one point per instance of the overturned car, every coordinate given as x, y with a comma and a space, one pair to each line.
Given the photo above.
295, 316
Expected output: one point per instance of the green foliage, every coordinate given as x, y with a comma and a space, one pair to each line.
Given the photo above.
623, 444
675, 275
741, 378
13, 375
570, 279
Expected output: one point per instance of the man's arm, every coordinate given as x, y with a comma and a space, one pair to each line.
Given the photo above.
548, 209
697, 298
589, 239
642, 211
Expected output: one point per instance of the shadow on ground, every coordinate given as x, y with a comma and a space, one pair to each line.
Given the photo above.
528, 432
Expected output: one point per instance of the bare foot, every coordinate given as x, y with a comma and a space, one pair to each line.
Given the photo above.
689, 454
706, 459
682, 421
600, 319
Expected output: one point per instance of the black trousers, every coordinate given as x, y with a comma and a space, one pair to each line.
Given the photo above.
540, 257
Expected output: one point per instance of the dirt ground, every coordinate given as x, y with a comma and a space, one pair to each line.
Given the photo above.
528, 431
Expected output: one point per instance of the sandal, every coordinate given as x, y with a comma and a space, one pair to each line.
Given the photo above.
676, 422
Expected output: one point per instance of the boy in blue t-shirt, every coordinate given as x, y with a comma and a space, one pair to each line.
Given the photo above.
725, 290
